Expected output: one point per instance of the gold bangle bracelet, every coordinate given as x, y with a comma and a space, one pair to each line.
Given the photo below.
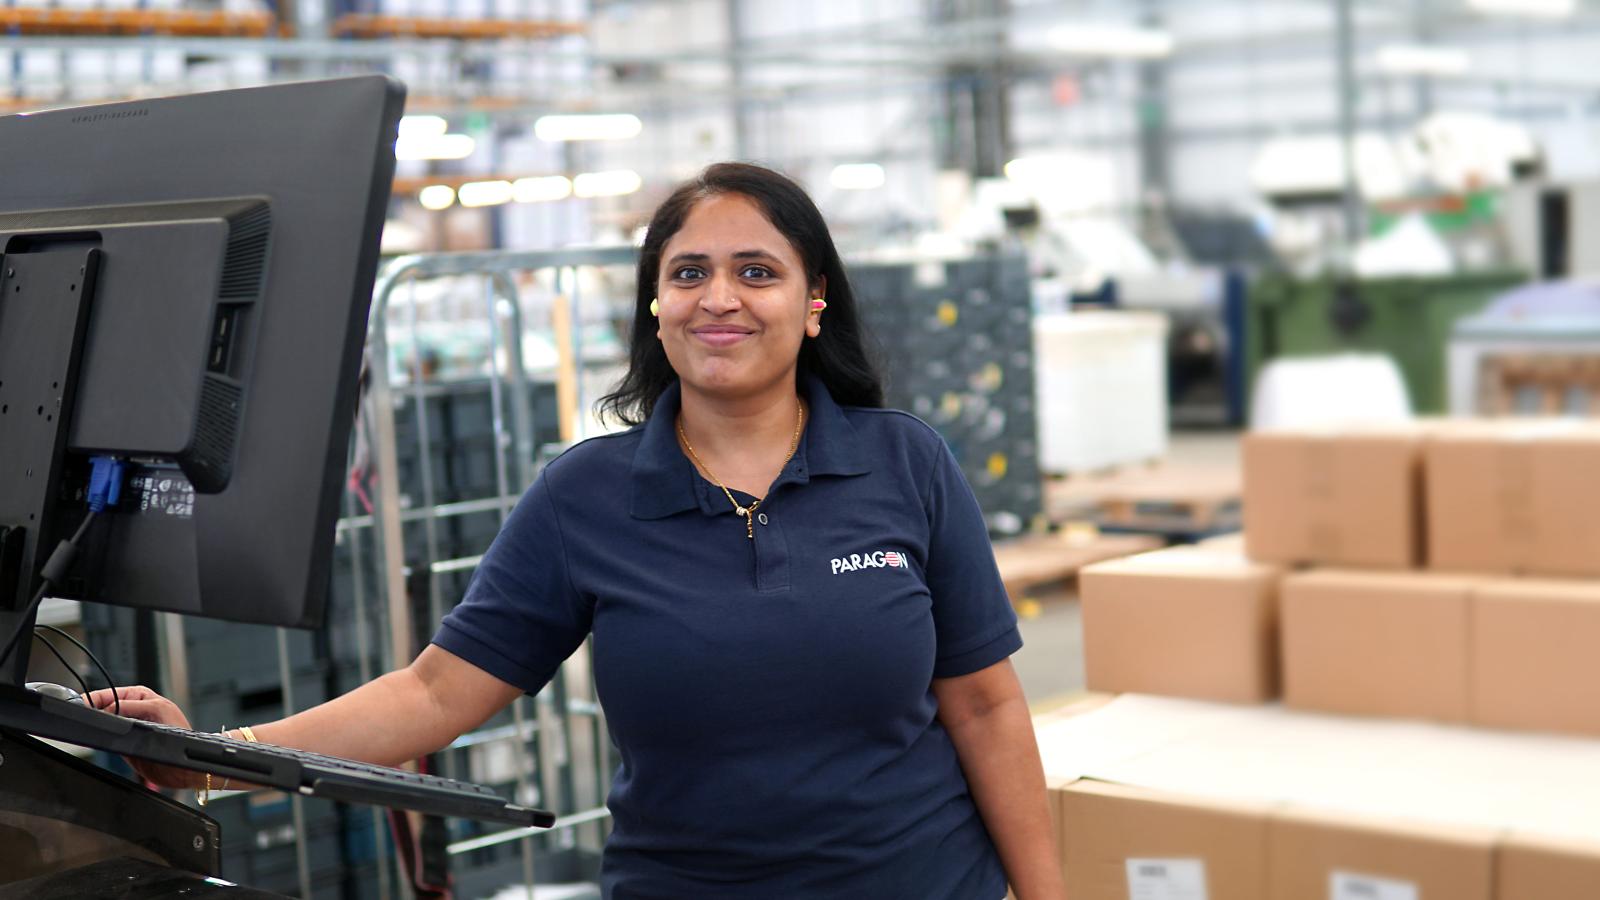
203, 795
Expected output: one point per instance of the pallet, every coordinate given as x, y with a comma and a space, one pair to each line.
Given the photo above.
1028, 562
1185, 501
1561, 383
1114, 470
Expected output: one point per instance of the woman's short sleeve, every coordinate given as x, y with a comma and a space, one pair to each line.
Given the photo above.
521, 617
972, 616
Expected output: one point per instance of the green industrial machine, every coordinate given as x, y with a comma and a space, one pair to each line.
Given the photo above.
1407, 318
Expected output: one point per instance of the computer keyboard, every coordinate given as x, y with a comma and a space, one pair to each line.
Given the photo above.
311, 774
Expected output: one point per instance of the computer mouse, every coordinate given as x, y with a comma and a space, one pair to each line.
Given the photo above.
59, 692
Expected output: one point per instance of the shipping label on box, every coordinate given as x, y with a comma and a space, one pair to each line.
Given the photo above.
1348, 886
1166, 879
1313, 855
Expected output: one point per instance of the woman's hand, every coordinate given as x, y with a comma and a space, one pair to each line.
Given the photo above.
140, 702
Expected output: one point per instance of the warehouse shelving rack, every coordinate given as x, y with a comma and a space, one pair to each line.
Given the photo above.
368, 25
192, 22
573, 767
298, 42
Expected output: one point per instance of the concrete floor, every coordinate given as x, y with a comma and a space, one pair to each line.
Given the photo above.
1050, 663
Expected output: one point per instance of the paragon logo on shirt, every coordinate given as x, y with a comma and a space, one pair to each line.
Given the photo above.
878, 559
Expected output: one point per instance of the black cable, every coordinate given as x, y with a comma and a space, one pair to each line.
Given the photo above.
115, 697
63, 660
55, 568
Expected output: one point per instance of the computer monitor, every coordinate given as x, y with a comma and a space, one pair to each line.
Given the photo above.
184, 285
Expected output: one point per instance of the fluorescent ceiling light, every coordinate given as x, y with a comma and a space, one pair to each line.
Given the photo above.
540, 190
615, 127
857, 176
422, 126
436, 146
1421, 59
437, 196
614, 183
1111, 41
1532, 9
486, 193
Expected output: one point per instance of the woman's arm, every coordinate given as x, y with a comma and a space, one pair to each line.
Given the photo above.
988, 722
402, 715
405, 714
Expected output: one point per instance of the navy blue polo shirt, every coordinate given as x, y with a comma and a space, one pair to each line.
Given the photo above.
771, 698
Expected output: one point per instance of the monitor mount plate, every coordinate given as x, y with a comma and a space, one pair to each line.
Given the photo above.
44, 312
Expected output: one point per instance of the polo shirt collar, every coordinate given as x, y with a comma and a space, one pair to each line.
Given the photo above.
665, 482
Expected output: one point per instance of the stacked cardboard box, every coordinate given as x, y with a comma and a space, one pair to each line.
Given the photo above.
1533, 655
1344, 498
1514, 497
1533, 868
1377, 643
1166, 798
1121, 841
1188, 622
1470, 523
1443, 571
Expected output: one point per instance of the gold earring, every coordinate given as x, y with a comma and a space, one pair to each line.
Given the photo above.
655, 307
818, 305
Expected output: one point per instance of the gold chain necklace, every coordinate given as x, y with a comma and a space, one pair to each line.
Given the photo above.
749, 512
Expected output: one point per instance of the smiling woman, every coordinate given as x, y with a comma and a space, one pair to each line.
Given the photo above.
800, 638
732, 301
791, 228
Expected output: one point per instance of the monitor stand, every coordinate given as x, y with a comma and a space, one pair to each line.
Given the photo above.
62, 820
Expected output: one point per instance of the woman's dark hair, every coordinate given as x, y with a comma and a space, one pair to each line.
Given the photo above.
838, 356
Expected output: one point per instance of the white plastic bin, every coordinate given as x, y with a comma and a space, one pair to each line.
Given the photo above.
1101, 384
1323, 391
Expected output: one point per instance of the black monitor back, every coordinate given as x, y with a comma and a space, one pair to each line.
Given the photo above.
231, 240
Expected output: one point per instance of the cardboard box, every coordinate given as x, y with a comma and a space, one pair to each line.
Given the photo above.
1514, 497
1347, 498
1121, 842
1055, 790
1535, 663
1532, 868
1316, 855
1182, 622
1377, 643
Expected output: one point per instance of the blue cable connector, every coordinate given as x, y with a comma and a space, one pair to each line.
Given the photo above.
105, 482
